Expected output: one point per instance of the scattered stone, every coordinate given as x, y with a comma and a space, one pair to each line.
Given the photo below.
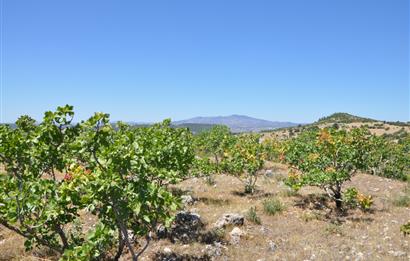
167, 250
269, 173
230, 219
272, 246
172, 256
397, 253
265, 230
187, 200
359, 256
236, 235
214, 250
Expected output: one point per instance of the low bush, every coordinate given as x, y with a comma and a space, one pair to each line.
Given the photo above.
252, 216
273, 206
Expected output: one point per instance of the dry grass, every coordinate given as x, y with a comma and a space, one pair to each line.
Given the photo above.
304, 230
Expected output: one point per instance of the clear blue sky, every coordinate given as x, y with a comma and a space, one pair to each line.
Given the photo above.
293, 60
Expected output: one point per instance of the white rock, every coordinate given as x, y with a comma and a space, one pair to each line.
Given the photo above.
167, 250
236, 235
230, 219
397, 253
187, 200
272, 246
359, 256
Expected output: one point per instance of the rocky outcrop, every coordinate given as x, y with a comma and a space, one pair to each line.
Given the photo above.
186, 227
232, 219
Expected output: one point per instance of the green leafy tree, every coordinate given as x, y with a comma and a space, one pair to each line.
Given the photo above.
326, 159
203, 167
389, 159
118, 176
272, 148
214, 143
245, 159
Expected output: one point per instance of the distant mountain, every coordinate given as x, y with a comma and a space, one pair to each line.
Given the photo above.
238, 123
342, 117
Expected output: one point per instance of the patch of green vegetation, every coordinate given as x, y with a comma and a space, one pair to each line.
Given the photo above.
273, 206
334, 229
195, 127
405, 229
252, 216
403, 200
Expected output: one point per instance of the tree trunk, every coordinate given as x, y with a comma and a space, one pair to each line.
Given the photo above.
217, 163
338, 197
121, 246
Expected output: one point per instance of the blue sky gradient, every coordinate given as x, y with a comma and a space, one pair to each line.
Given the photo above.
292, 60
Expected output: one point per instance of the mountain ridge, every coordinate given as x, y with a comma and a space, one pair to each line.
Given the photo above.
238, 123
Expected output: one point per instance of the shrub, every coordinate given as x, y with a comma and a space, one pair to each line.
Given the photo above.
365, 201
309, 216
403, 200
405, 229
273, 206
326, 159
353, 198
350, 197
252, 216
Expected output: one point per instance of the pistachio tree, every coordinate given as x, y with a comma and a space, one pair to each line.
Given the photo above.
245, 158
388, 158
57, 174
326, 158
214, 143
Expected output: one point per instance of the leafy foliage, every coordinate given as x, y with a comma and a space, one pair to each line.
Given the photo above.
119, 176
405, 229
389, 159
213, 143
245, 159
353, 198
326, 158
272, 148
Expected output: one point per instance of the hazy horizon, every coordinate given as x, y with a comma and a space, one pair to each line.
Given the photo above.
293, 61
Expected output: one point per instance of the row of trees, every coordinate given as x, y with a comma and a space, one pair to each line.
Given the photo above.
56, 172
325, 158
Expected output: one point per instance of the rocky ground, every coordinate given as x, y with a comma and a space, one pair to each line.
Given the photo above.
216, 225
307, 228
